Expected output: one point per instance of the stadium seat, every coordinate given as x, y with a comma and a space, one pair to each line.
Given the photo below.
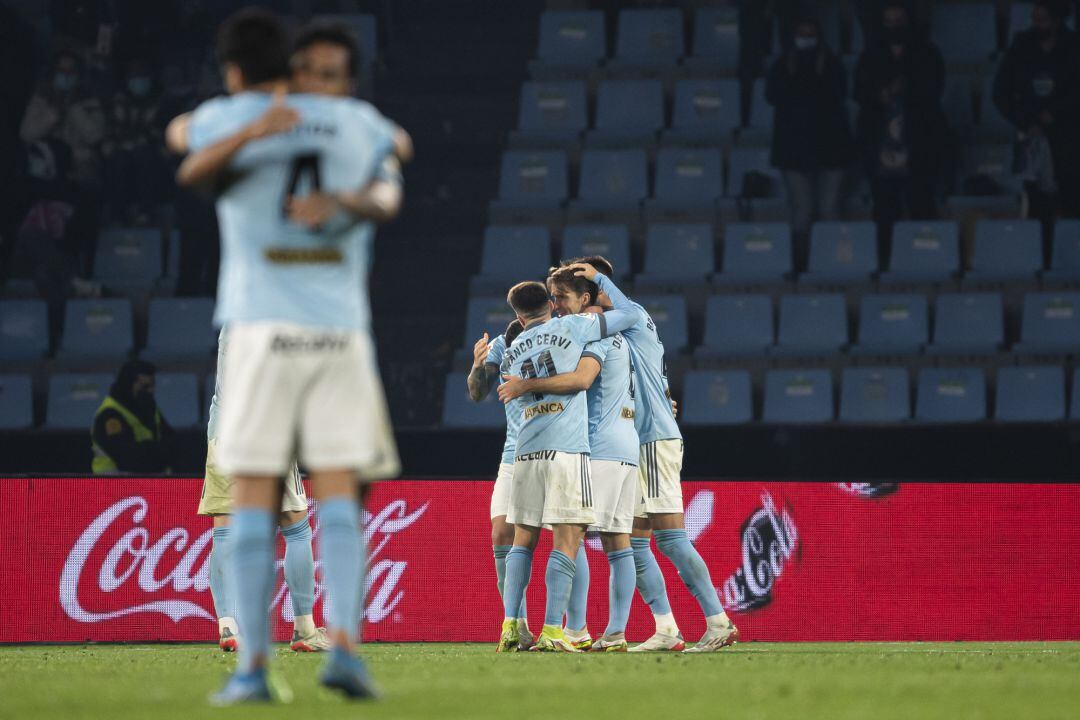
965, 33
628, 113
649, 37
892, 325
129, 258
1033, 393
706, 111
613, 178
178, 398
812, 324
951, 395
968, 323
737, 325
573, 40
756, 160
669, 314
97, 328
609, 241
875, 395
678, 253
756, 252
459, 411
690, 179
717, 398
533, 178
716, 39
363, 27
551, 114
986, 178
1006, 250
488, 315
958, 100
798, 396
923, 251
513, 253
1050, 323
1065, 264
842, 252
24, 329
74, 399
16, 402
761, 111
181, 327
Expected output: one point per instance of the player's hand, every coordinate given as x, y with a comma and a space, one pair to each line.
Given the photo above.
584, 270
312, 210
675, 408
480, 351
512, 388
278, 118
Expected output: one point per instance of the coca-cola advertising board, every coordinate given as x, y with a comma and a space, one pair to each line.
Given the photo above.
127, 560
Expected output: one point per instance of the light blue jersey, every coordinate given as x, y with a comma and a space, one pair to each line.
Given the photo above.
612, 435
654, 419
273, 269
513, 420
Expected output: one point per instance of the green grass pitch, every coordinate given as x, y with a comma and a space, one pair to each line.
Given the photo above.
754, 680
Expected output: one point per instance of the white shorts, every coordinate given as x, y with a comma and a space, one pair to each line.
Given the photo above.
660, 478
216, 496
500, 495
303, 393
615, 494
551, 488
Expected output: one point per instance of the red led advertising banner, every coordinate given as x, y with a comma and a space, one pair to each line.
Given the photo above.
127, 560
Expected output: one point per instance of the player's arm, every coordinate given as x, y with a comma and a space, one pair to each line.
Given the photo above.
579, 380
483, 375
624, 315
379, 201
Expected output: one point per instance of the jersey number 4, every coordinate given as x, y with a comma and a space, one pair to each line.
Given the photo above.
303, 167
547, 364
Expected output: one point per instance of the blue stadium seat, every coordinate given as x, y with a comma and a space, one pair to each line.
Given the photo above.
178, 398
513, 253
987, 162
16, 402
951, 395
761, 112
812, 324
875, 395
650, 37
756, 252
678, 252
488, 315
180, 327
1051, 323
1065, 264
459, 411
628, 112
613, 178
24, 329
1006, 250
798, 396
892, 325
572, 39
745, 160
533, 178
551, 113
716, 38
717, 398
842, 252
669, 314
958, 100
705, 111
738, 325
610, 241
689, 178
97, 328
964, 32
968, 323
363, 27
1034, 393
74, 399
129, 258
924, 251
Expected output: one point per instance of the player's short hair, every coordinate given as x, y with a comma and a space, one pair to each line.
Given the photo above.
528, 299
256, 42
331, 34
514, 329
599, 262
565, 278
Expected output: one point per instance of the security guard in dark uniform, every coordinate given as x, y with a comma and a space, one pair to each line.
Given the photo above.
129, 434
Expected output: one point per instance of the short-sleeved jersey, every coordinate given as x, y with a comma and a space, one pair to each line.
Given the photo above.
273, 269
655, 419
513, 420
612, 435
552, 422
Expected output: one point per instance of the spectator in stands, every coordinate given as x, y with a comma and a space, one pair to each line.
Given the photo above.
902, 132
1037, 87
129, 434
811, 141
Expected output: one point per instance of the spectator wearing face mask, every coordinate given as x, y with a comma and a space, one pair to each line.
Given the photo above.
811, 141
902, 133
129, 434
1037, 88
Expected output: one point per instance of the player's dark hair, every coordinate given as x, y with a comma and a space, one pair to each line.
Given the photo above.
256, 42
599, 262
528, 299
331, 34
514, 329
565, 278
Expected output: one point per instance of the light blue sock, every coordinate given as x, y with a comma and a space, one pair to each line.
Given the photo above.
341, 549
620, 589
693, 570
251, 582
300, 567
559, 577
500, 571
220, 567
577, 610
650, 581
518, 570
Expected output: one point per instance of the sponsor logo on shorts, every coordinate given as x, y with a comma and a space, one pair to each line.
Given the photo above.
548, 455
312, 343
303, 256
627, 414
550, 408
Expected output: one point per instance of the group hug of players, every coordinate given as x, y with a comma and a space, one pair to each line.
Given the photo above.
591, 446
